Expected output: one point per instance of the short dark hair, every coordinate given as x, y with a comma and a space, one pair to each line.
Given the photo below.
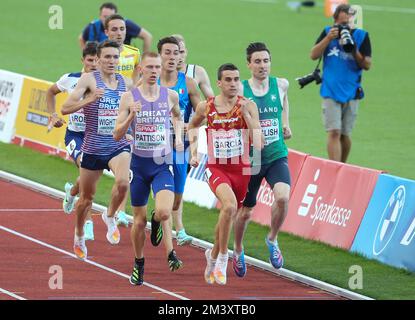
346, 8
255, 47
91, 48
112, 17
165, 40
107, 44
226, 67
108, 5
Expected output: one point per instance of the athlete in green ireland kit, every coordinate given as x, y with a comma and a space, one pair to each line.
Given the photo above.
270, 95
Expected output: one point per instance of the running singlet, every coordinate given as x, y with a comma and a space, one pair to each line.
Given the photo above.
270, 118
129, 58
67, 83
151, 126
227, 137
191, 71
184, 100
100, 117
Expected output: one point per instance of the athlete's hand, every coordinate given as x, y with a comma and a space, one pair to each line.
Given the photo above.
245, 111
129, 137
135, 107
55, 121
179, 144
194, 161
96, 95
286, 132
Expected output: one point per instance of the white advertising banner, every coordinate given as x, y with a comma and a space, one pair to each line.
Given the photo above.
10, 91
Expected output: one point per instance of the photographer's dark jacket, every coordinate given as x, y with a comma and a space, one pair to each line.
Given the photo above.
341, 73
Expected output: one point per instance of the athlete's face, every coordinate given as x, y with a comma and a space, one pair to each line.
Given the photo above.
169, 56
90, 63
151, 69
260, 65
108, 60
229, 83
105, 13
182, 55
116, 31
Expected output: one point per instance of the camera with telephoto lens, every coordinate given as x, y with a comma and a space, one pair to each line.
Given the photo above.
315, 75
345, 37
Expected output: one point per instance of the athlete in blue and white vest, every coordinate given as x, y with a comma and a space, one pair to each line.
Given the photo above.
99, 94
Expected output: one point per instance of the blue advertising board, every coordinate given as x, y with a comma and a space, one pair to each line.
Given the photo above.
387, 230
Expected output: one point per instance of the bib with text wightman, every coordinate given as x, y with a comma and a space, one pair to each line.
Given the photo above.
227, 144
150, 136
107, 115
77, 121
270, 129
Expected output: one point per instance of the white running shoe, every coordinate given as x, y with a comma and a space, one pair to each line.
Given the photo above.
89, 230
113, 234
79, 248
210, 265
219, 273
68, 201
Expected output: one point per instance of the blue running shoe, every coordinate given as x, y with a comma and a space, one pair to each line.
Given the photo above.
275, 255
238, 264
183, 238
89, 230
122, 218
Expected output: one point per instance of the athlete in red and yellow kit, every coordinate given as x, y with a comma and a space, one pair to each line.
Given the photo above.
231, 121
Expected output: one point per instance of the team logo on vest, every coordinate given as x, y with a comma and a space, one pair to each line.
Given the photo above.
273, 97
389, 220
334, 52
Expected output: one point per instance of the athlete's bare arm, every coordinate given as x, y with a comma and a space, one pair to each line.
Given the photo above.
128, 110
176, 119
85, 84
193, 92
204, 81
54, 119
251, 116
193, 132
283, 85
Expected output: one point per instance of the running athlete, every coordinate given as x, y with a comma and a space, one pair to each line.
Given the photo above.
76, 127
194, 71
146, 111
270, 95
228, 169
189, 97
100, 151
115, 29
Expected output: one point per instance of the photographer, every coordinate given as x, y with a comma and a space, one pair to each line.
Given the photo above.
346, 53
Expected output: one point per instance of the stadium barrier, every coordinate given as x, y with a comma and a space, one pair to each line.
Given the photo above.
387, 230
329, 201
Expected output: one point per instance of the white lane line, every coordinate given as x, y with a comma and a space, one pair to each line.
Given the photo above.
30, 210
90, 262
11, 294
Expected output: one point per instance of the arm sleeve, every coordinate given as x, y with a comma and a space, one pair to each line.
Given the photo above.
321, 36
366, 48
133, 29
62, 83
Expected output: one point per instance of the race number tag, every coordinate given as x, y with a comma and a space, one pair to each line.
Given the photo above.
71, 147
270, 129
106, 121
150, 136
77, 121
227, 144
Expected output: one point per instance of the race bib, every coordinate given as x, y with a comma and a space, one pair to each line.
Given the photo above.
77, 121
270, 130
227, 144
106, 121
150, 136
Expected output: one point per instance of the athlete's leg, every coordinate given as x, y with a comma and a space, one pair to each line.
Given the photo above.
177, 211
88, 184
120, 166
163, 205
138, 230
279, 208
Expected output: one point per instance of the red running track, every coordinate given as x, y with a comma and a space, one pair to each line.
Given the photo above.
36, 235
